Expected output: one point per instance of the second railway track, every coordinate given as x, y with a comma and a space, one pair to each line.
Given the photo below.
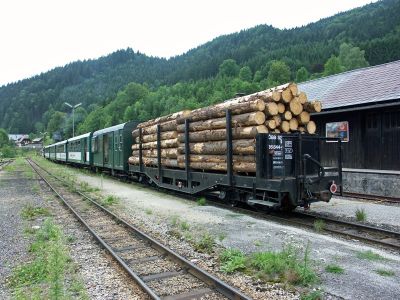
161, 273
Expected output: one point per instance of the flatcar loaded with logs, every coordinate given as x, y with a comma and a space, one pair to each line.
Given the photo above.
260, 149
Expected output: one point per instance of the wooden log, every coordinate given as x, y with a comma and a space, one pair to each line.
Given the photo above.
166, 126
293, 88
248, 119
270, 124
167, 135
285, 127
287, 95
287, 115
302, 129
172, 143
240, 147
302, 97
311, 127
293, 124
165, 153
313, 106
295, 107
303, 118
216, 158
245, 167
159, 120
276, 130
281, 108
218, 110
271, 109
220, 134
150, 161
278, 120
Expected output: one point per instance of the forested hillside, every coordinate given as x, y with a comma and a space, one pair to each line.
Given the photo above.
239, 62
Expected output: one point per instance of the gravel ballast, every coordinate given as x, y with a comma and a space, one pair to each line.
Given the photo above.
155, 212
102, 277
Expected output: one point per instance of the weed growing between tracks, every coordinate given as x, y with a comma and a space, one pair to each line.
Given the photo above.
369, 255
361, 215
45, 276
384, 272
335, 269
30, 212
281, 266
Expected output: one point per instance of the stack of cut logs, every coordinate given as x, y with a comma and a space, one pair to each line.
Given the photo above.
282, 109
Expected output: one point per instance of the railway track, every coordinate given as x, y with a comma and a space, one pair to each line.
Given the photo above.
160, 272
371, 197
4, 163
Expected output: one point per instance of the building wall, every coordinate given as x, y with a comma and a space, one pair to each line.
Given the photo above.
374, 138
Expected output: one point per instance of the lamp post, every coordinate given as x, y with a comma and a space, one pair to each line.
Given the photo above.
73, 115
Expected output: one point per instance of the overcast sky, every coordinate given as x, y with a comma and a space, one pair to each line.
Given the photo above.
38, 35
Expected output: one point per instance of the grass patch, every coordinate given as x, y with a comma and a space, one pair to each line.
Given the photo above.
201, 201
30, 212
148, 211
314, 295
332, 268
184, 226
205, 244
319, 225
284, 266
361, 215
110, 200
222, 236
369, 255
85, 187
384, 272
174, 220
44, 277
232, 260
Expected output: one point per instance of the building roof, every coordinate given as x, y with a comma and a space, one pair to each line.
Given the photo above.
358, 87
15, 137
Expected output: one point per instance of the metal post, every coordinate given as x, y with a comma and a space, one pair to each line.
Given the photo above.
159, 151
73, 115
340, 166
229, 152
140, 151
187, 154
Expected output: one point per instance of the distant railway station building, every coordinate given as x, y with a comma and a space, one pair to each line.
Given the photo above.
363, 108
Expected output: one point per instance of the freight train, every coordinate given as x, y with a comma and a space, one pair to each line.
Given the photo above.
289, 172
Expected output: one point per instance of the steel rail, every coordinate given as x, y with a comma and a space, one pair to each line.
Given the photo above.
210, 280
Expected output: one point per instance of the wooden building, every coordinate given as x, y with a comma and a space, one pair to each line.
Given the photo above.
362, 106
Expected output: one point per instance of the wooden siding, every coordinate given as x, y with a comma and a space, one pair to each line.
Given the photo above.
374, 138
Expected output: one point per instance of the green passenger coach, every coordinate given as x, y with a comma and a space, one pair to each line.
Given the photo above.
111, 147
79, 149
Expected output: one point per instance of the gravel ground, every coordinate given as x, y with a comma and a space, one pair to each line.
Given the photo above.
378, 214
102, 277
154, 212
15, 193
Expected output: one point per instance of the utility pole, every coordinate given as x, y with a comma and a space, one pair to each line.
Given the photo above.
73, 115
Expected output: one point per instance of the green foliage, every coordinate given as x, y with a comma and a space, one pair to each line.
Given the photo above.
302, 75
314, 295
352, 57
201, 201
245, 74
332, 268
384, 272
369, 255
205, 244
361, 215
110, 200
229, 68
319, 225
44, 277
284, 266
232, 260
279, 73
4, 141
332, 66
30, 212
